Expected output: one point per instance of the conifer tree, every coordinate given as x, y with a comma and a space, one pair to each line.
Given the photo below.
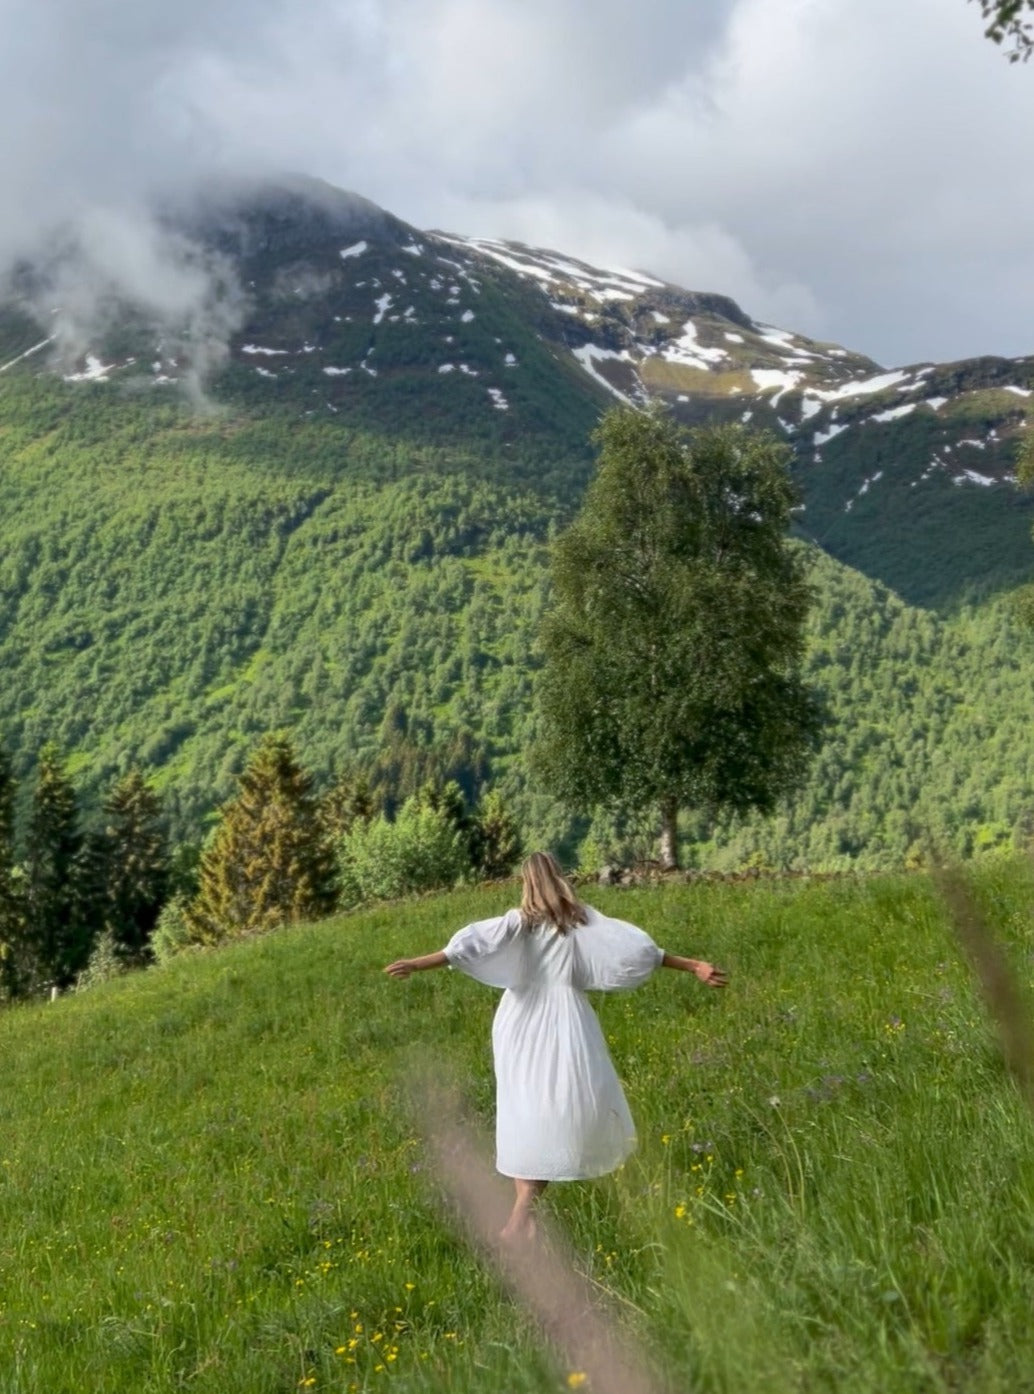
57, 934
11, 919
131, 866
445, 797
270, 861
495, 839
348, 801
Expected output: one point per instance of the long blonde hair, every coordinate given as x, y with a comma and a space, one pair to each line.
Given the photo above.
546, 895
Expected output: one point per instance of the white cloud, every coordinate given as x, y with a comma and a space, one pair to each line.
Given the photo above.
849, 170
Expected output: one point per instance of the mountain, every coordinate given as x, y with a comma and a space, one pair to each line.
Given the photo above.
319, 497
906, 474
345, 310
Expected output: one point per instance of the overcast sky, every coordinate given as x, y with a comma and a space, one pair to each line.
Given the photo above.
859, 170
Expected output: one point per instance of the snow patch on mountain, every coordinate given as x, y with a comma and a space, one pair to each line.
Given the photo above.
782, 379
688, 349
589, 354
863, 387
95, 371
894, 413
972, 477
823, 437
27, 354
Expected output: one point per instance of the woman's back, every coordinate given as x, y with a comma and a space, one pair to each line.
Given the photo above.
602, 954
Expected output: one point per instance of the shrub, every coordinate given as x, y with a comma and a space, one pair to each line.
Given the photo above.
105, 962
172, 933
419, 851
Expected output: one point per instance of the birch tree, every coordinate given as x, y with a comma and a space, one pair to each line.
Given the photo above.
673, 646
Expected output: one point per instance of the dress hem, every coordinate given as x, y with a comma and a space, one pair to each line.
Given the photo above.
567, 1176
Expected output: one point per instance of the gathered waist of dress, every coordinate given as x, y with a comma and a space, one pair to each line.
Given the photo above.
534, 989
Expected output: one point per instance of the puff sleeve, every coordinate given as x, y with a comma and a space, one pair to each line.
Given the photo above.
491, 951
613, 954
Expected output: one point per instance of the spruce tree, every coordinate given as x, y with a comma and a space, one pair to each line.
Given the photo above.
445, 797
12, 926
495, 839
269, 862
57, 934
348, 801
132, 871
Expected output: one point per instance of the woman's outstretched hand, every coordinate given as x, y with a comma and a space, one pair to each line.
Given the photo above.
706, 972
401, 968
710, 975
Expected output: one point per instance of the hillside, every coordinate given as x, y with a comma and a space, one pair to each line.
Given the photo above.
212, 1177
167, 601
341, 528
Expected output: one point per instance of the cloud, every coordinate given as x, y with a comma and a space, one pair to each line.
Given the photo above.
112, 256
848, 170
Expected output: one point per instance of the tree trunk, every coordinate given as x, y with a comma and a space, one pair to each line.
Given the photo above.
669, 850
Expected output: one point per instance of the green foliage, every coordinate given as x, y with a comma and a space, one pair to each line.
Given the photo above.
495, 839
419, 850
173, 586
172, 933
58, 935
673, 649
1006, 21
11, 916
269, 862
132, 866
928, 734
348, 801
106, 962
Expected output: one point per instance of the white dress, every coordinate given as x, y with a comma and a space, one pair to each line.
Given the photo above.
561, 1113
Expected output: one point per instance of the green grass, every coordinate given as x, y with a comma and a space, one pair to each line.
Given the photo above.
210, 1179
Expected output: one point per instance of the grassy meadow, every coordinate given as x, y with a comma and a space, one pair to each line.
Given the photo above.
211, 1179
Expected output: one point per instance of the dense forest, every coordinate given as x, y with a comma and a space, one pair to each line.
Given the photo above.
172, 587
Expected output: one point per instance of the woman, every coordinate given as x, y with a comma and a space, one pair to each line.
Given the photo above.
561, 1113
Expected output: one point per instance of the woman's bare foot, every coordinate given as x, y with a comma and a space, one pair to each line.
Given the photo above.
521, 1228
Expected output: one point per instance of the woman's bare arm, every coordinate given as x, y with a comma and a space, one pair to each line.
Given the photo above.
706, 972
402, 967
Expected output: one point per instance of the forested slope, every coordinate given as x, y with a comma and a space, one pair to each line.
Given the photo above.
173, 586
929, 734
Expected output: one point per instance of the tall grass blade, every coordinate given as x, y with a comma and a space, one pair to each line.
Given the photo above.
1005, 998
539, 1273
